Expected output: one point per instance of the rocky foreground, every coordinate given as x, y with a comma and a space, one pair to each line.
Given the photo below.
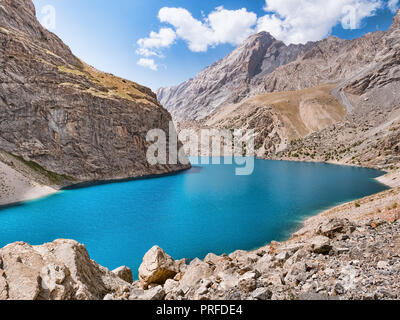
349, 252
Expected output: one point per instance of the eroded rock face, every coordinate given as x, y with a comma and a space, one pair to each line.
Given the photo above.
61, 270
74, 123
156, 268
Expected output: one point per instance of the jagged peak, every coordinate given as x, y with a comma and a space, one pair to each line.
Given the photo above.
397, 17
261, 36
396, 22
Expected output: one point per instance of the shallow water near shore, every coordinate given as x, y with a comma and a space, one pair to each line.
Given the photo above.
206, 209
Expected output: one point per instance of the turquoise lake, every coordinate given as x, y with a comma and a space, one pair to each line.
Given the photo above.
206, 209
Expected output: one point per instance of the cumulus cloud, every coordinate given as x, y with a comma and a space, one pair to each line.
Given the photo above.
148, 63
292, 21
311, 20
393, 5
221, 26
162, 39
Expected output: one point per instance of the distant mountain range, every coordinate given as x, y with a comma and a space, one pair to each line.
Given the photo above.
261, 85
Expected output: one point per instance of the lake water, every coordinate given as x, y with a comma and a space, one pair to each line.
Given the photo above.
206, 209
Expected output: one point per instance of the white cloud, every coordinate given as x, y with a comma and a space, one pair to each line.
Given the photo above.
393, 5
148, 63
148, 53
221, 26
292, 21
148, 46
231, 26
311, 20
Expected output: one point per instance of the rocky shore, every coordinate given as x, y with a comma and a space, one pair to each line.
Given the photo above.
349, 252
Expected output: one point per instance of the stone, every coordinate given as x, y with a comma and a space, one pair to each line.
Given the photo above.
156, 293
206, 282
180, 265
316, 297
297, 273
3, 287
124, 273
330, 228
156, 268
108, 297
262, 294
195, 272
382, 265
273, 279
282, 257
211, 258
61, 270
170, 285
341, 250
247, 285
264, 263
320, 244
202, 290
339, 288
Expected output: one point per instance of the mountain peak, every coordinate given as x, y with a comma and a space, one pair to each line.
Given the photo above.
396, 22
397, 17
263, 36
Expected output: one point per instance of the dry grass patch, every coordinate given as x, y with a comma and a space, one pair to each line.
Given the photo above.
304, 111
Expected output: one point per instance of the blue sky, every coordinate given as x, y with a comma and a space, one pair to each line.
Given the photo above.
164, 42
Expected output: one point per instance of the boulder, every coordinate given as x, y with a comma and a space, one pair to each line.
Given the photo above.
212, 258
320, 244
124, 273
297, 273
330, 228
170, 285
156, 293
261, 294
61, 270
156, 268
195, 272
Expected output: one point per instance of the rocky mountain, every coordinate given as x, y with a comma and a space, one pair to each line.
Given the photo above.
230, 79
370, 133
276, 118
263, 64
64, 119
290, 123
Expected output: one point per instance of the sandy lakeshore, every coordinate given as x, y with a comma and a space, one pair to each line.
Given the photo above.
15, 187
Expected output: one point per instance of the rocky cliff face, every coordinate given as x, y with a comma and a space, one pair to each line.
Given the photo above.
65, 118
370, 133
230, 79
276, 118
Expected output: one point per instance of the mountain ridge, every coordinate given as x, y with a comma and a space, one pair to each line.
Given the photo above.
217, 83
363, 74
66, 120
